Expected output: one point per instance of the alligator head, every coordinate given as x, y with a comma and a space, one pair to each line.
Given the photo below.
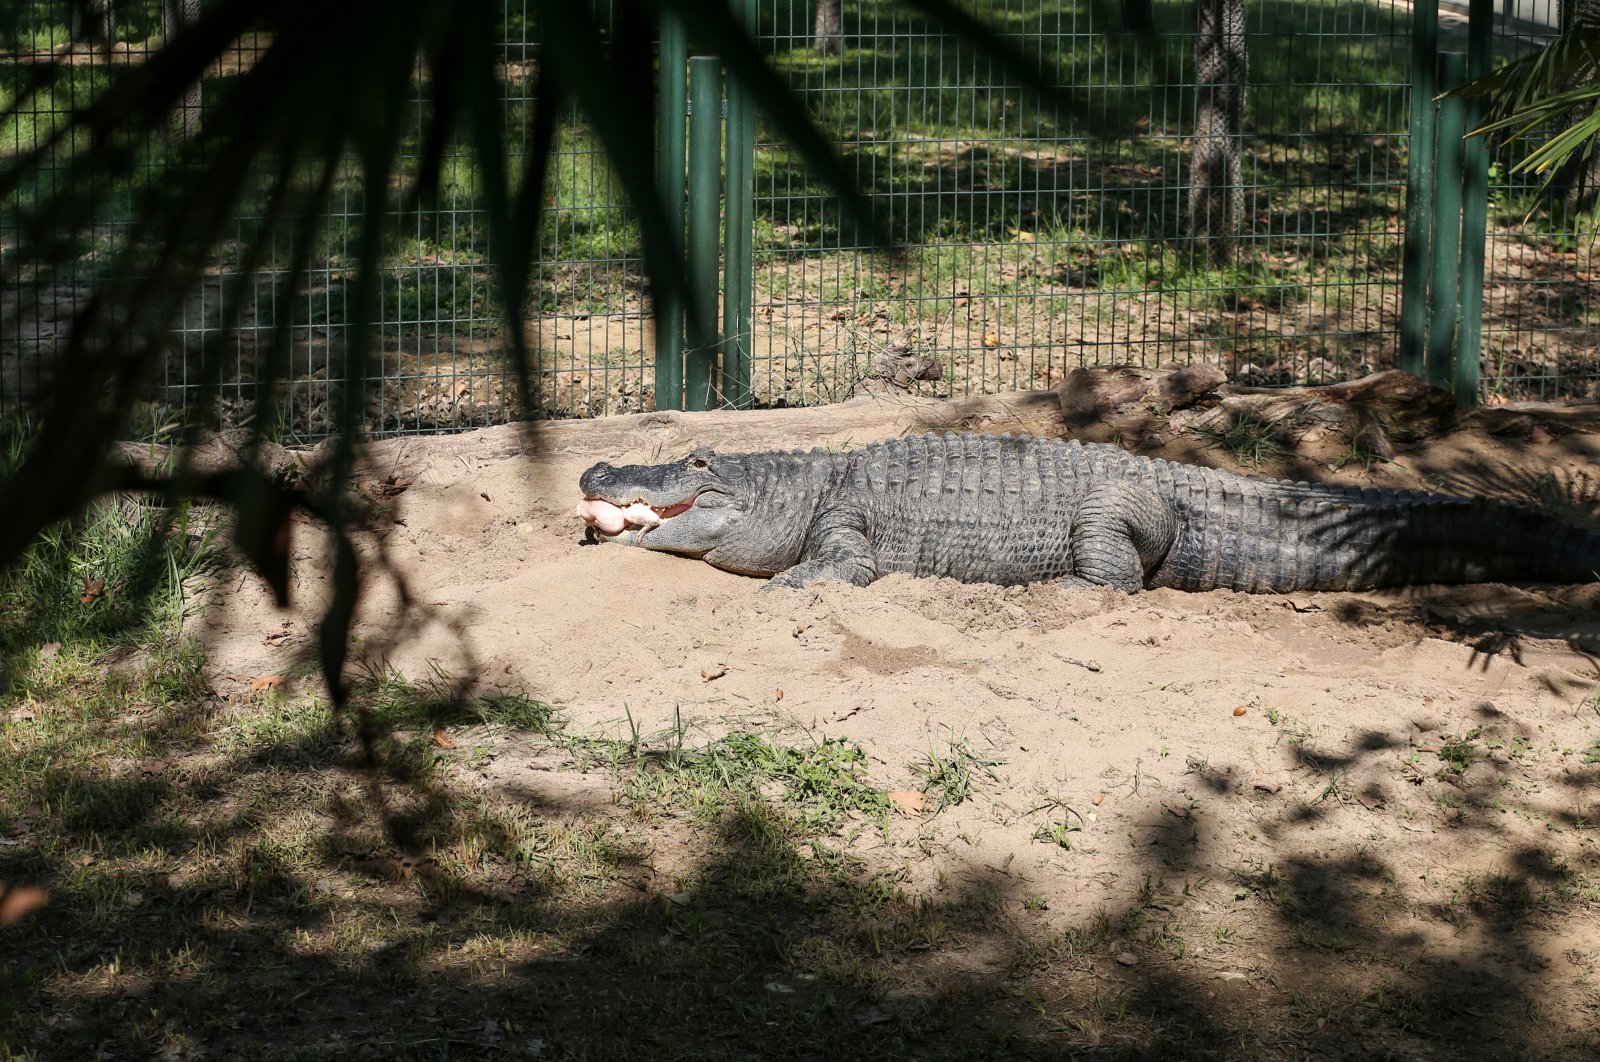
705, 506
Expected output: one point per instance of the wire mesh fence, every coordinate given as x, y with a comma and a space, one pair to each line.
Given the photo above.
1031, 239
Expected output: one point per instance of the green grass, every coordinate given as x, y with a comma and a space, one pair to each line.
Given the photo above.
819, 786
1459, 754
444, 873
953, 156
952, 775
1050, 226
914, 91
1250, 439
110, 581
224, 864
1360, 452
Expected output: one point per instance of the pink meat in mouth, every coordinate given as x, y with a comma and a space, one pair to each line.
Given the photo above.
612, 519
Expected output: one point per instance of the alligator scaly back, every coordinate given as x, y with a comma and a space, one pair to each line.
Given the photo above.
1011, 510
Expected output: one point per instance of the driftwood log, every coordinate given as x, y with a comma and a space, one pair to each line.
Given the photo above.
1107, 402
899, 366
1131, 405
1139, 406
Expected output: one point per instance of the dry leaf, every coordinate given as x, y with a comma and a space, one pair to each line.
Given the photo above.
92, 588
1240, 711
442, 738
17, 901
991, 340
715, 671
266, 682
909, 802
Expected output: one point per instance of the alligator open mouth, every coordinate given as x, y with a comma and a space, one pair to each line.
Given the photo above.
610, 518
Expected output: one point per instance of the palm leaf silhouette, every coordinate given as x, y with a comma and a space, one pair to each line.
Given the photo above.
326, 86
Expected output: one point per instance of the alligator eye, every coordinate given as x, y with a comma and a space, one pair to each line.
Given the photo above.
698, 462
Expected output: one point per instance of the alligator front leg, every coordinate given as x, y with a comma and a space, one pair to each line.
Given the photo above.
837, 549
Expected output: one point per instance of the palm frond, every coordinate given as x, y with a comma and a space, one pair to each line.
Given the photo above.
317, 111
1530, 96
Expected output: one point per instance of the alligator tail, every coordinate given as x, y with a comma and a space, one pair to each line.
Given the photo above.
1261, 535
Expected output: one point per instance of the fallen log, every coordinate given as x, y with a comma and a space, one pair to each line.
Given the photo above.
1129, 404
1135, 406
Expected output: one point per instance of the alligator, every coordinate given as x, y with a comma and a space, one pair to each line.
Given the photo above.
1009, 510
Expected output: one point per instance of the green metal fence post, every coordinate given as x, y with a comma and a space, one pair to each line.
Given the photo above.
1444, 302
1474, 211
705, 210
670, 138
739, 213
1419, 187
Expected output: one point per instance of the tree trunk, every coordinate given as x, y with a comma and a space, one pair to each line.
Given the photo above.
827, 37
1216, 188
94, 22
1139, 16
175, 15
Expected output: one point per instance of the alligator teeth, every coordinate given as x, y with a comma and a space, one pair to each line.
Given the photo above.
612, 518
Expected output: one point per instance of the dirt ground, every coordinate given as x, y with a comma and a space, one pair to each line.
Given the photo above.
1347, 825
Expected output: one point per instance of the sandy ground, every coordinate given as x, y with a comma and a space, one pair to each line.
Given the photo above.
1320, 791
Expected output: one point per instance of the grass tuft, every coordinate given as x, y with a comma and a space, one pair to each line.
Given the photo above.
951, 777
1251, 440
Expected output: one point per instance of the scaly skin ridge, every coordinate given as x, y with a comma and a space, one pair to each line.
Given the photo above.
1014, 510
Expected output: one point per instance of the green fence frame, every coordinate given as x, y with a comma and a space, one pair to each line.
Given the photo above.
1032, 240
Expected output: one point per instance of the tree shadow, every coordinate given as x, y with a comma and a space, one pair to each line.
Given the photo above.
319, 892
